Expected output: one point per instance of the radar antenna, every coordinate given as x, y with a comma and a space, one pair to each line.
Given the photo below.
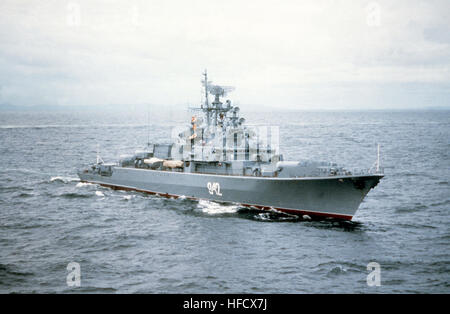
219, 91
212, 111
206, 84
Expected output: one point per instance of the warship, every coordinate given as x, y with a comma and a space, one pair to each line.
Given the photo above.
219, 157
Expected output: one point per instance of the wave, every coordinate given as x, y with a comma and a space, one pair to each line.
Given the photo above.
331, 269
83, 184
64, 179
14, 188
275, 216
411, 208
438, 204
93, 289
22, 170
74, 195
25, 195
337, 270
213, 208
12, 274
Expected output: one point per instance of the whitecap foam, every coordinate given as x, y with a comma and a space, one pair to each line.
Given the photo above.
63, 179
128, 197
213, 208
337, 270
99, 193
281, 213
263, 216
82, 184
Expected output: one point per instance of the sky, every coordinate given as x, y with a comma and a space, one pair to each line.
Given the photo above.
290, 55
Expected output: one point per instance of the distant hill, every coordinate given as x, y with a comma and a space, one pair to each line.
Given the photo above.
58, 108
7, 107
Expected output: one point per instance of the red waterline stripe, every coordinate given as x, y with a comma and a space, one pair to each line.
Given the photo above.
284, 210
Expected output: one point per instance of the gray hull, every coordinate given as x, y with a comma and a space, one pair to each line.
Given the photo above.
334, 196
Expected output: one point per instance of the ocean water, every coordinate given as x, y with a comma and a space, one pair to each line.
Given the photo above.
129, 242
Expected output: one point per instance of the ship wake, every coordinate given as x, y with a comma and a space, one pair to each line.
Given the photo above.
213, 208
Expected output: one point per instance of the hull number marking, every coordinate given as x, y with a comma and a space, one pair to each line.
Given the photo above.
214, 188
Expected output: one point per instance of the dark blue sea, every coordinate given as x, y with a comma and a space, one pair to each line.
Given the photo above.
129, 242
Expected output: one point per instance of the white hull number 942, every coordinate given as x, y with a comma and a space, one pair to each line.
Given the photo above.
214, 188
